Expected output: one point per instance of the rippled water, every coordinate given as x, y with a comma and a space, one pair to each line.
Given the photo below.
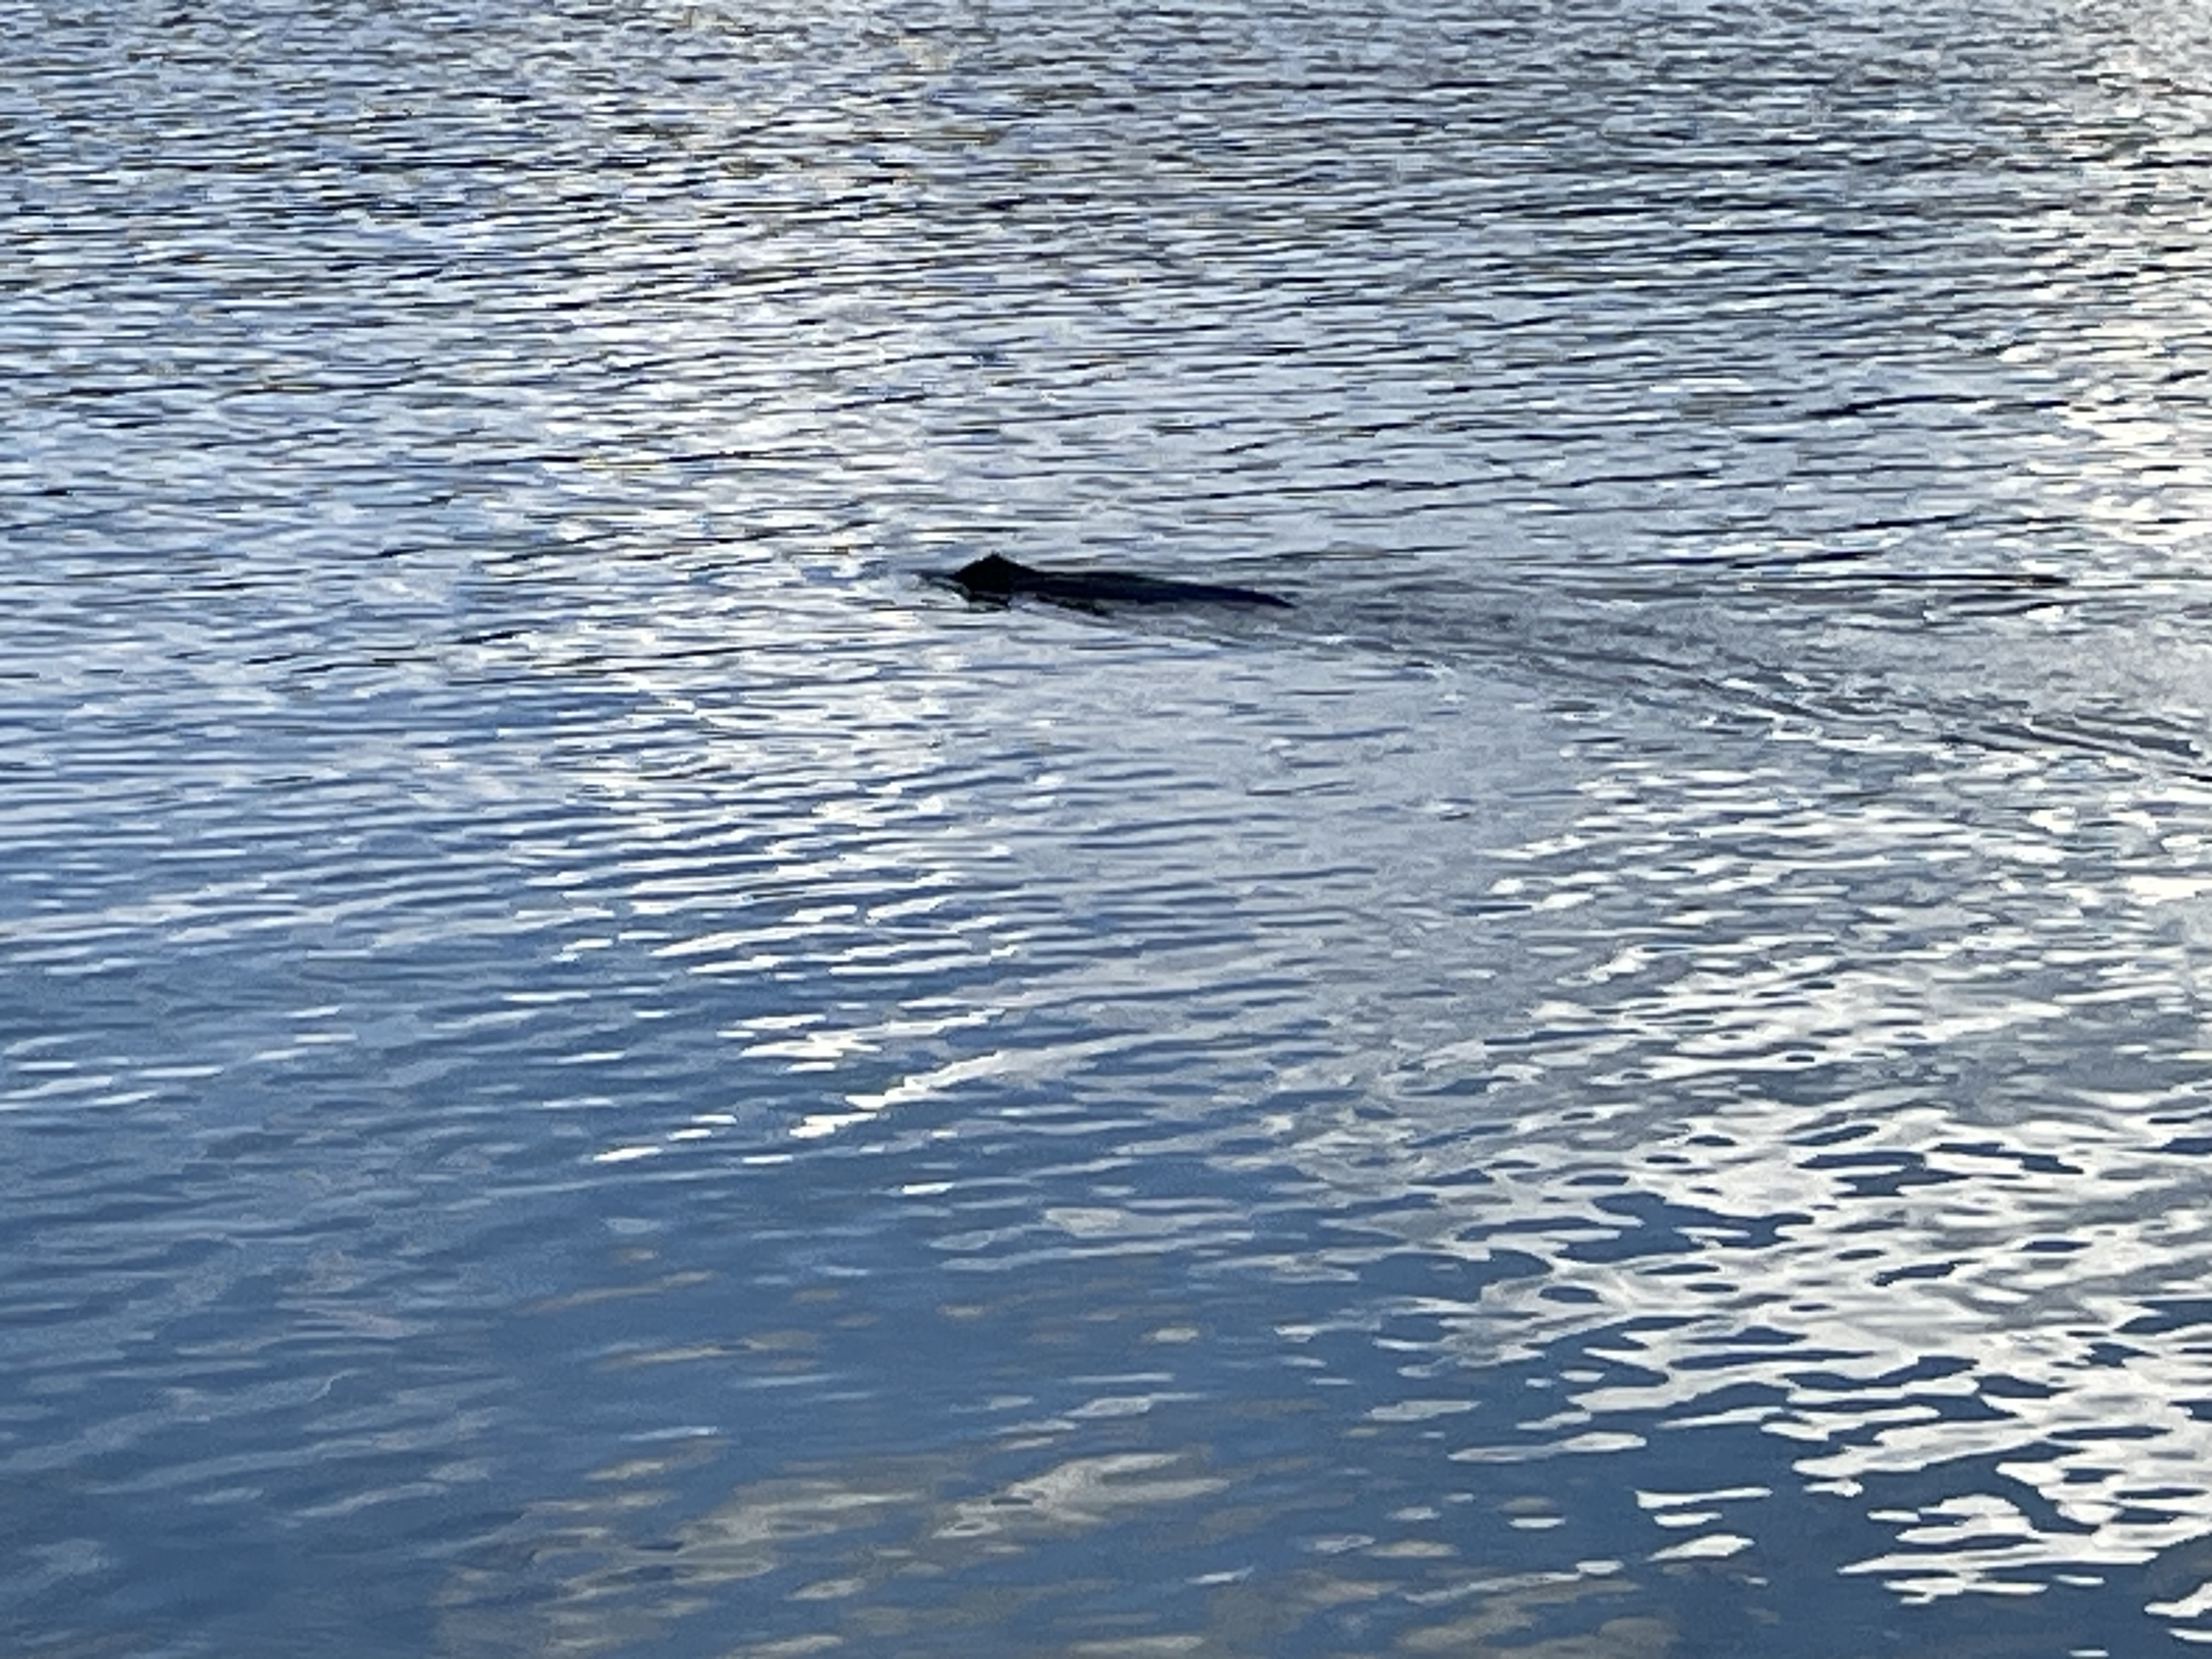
593, 1066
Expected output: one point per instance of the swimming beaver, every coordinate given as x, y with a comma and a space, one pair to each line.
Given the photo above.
996, 580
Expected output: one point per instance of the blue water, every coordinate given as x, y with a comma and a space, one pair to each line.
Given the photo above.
592, 1064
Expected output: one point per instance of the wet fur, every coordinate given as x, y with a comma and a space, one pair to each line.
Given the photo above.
995, 580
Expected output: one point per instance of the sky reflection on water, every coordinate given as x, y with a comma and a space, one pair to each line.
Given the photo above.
593, 1066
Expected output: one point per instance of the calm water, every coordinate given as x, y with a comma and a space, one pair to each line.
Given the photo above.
592, 1066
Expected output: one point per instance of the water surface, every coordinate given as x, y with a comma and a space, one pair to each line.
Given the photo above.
592, 1066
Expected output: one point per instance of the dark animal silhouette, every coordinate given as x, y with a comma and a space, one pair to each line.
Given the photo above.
996, 580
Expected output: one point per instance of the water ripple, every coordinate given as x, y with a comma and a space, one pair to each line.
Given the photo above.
580, 1040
